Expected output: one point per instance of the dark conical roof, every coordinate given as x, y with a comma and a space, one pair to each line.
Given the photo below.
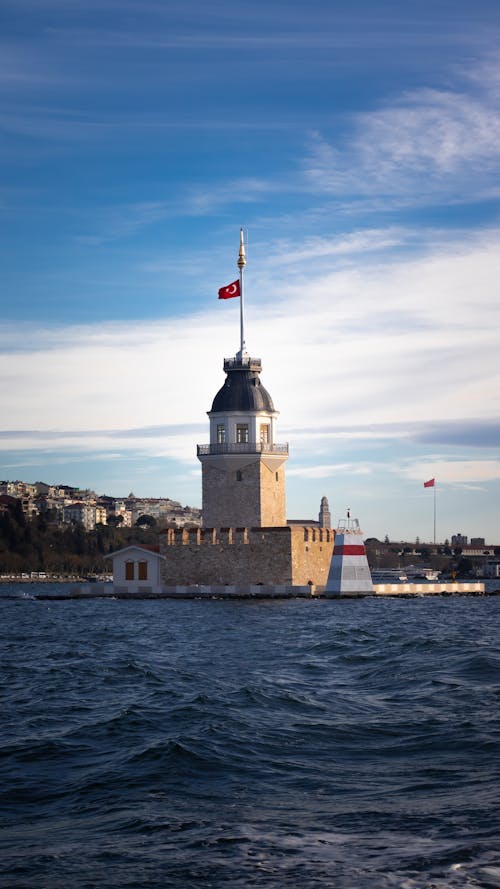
242, 390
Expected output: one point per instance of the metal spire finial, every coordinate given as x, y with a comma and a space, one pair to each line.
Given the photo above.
241, 265
241, 256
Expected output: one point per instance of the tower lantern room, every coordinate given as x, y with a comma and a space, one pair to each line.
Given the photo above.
243, 475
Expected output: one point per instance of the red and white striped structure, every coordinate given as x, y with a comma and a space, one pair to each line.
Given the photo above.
349, 572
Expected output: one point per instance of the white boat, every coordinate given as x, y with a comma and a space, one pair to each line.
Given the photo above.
389, 575
432, 575
421, 572
410, 574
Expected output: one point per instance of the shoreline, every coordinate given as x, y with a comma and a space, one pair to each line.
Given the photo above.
55, 578
252, 592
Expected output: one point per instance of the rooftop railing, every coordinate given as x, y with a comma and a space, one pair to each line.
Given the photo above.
247, 447
246, 362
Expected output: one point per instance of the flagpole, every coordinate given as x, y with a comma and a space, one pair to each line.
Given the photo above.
435, 513
432, 484
241, 265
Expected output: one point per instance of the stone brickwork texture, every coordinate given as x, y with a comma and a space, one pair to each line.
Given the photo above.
250, 496
295, 555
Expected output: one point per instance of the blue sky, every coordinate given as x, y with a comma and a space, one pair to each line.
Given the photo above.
359, 142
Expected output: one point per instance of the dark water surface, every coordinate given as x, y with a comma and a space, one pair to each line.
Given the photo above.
241, 744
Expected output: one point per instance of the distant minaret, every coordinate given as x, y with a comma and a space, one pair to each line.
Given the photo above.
243, 474
325, 519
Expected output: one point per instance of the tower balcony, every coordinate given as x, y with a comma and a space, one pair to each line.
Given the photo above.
242, 362
247, 447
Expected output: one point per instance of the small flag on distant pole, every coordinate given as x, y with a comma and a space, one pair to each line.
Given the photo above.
432, 484
230, 290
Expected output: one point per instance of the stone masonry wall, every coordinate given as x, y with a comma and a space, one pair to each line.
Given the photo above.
250, 497
278, 555
273, 497
312, 550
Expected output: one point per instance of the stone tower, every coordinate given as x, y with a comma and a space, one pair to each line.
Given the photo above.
243, 468
324, 518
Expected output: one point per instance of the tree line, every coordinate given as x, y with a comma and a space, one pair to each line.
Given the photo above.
43, 545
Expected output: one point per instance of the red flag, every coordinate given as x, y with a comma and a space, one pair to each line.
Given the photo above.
231, 290
430, 483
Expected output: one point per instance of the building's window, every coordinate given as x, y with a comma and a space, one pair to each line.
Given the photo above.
277, 477
129, 570
221, 433
264, 433
143, 570
242, 433
238, 475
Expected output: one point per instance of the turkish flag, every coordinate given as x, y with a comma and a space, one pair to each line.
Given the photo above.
430, 483
230, 291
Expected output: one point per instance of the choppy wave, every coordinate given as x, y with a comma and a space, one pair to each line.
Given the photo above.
309, 744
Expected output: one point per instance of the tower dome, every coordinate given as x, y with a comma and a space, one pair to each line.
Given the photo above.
242, 390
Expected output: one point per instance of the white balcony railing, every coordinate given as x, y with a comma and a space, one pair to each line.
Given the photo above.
247, 447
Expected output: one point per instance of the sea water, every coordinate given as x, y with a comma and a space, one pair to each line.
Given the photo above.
301, 743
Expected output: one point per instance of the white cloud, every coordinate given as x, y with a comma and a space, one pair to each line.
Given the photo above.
108, 377
449, 471
427, 141
393, 343
383, 346
354, 243
331, 470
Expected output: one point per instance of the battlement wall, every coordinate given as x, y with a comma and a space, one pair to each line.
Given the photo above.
287, 554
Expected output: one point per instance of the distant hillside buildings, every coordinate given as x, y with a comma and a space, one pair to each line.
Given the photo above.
69, 505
